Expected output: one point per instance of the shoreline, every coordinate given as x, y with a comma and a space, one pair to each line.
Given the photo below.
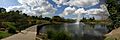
114, 34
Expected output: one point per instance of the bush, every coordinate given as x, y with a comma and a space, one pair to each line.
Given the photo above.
10, 26
110, 38
53, 35
50, 34
12, 30
4, 34
62, 36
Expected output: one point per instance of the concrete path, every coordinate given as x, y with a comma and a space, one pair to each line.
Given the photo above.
28, 34
114, 33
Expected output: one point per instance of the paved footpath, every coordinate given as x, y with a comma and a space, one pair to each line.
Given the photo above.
28, 34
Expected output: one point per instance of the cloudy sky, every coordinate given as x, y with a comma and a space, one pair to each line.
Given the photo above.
49, 8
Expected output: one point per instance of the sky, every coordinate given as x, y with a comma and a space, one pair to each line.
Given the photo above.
49, 8
7, 3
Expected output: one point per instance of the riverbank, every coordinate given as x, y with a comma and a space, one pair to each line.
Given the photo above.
107, 23
113, 35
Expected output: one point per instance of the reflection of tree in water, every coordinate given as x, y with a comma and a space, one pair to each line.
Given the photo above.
57, 27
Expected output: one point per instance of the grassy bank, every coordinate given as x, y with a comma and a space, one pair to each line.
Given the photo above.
4, 34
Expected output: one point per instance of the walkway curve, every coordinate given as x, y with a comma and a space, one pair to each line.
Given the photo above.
28, 34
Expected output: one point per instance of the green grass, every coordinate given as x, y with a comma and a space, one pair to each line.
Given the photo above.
54, 35
4, 34
110, 38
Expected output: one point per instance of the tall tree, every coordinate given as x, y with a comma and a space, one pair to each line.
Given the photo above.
114, 10
2, 10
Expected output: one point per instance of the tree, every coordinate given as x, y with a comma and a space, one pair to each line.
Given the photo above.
2, 10
12, 30
56, 18
47, 18
25, 14
83, 19
92, 19
114, 10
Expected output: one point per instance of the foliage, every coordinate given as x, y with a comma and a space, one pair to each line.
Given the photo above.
110, 38
4, 34
114, 10
88, 20
16, 19
2, 10
113, 7
69, 20
12, 30
61, 19
53, 35
50, 34
10, 26
47, 18
61, 36
57, 18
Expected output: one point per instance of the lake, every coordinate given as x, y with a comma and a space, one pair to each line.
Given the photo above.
80, 31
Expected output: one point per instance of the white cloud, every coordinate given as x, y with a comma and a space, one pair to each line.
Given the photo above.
79, 3
60, 1
80, 11
95, 11
68, 11
34, 7
99, 12
38, 7
72, 10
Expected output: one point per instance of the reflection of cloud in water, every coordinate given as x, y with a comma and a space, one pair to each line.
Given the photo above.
80, 31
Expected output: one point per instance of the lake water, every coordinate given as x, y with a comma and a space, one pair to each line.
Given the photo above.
80, 31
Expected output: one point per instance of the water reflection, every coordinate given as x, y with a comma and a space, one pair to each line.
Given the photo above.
80, 31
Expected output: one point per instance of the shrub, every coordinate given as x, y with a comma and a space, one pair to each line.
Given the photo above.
110, 38
12, 30
4, 34
53, 35
50, 34
10, 26
62, 36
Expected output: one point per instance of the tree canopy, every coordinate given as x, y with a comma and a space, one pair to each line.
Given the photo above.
114, 10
